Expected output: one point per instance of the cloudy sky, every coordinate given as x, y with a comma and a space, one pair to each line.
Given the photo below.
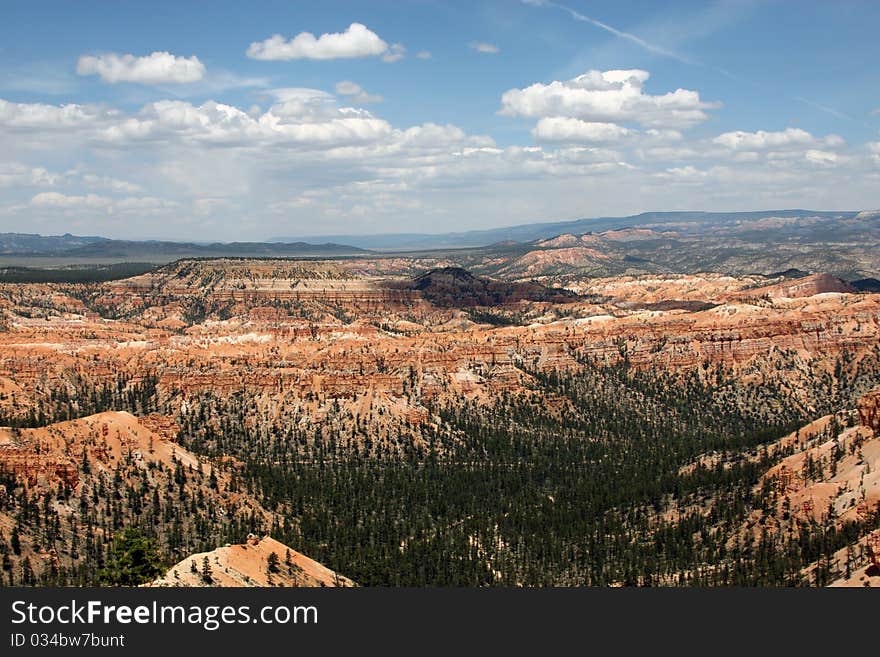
231, 120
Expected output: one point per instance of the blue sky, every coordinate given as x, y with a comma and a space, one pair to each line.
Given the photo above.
191, 120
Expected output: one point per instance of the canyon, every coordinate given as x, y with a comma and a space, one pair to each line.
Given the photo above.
223, 369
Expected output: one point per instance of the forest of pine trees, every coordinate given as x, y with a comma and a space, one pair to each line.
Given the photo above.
591, 489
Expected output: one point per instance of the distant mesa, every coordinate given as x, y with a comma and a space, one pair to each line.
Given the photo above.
455, 286
807, 286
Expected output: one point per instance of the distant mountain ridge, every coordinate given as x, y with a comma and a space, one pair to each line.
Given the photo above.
33, 244
687, 222
67, 245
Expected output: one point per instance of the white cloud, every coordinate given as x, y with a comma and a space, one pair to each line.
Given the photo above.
432, 136
348, 88
685, 174
304, 95
615, 96
395, 53
65, 201
156, 68
784, 149
14, 174
304, 118
485, 48
763, 140
663, 135
139, 205
825, 158
42, 117
356, 93
564, 129
356, 41
281, 207
423, 54
305, 160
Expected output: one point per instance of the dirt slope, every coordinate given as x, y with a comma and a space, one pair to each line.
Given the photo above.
247, 564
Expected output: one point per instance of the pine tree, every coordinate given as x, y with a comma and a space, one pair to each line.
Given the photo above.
207, 573
134, 560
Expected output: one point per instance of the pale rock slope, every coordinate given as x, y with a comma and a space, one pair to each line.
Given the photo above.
248, 564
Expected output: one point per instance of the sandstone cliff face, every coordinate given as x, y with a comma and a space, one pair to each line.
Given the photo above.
831, 478
344, 332
44, 456
834, 476
869, 410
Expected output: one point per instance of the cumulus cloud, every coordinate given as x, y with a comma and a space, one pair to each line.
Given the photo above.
615, 96
564, 129
302, 118
305, 157
434, 136
395, 53
825, 158
485, 48
155, 68
685, 174
40, 116
15, 174
356, 41
765, 140
356, 93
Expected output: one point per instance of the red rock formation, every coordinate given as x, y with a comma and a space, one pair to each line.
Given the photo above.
873, 544
869, 410
161, 425
342, 341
